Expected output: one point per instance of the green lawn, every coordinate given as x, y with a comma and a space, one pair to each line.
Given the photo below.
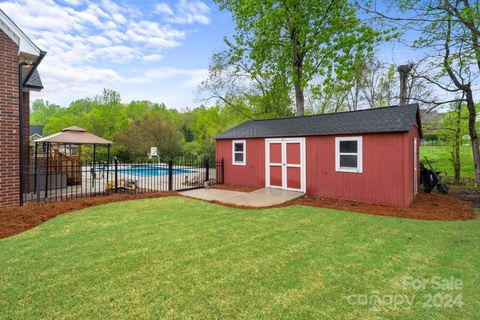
180, 258
440, 156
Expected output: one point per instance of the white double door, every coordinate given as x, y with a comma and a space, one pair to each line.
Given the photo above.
285, 164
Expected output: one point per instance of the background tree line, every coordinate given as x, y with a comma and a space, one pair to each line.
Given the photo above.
138, 125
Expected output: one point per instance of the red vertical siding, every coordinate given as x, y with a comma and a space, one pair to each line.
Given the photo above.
387, 176
380, 182
253, 173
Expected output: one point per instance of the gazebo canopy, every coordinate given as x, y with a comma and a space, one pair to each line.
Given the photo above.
74, 135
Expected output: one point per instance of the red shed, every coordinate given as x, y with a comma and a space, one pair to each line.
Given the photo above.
366, 156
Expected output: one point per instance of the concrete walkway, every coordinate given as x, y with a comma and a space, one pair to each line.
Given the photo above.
265, 197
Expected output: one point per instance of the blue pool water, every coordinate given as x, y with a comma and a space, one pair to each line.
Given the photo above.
145, 170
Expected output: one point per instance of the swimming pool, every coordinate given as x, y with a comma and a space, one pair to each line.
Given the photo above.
145, 170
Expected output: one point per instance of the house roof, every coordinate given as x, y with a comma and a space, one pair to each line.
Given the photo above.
28, 52
36, 129
387, 119
25, 45
34, 82
74, 135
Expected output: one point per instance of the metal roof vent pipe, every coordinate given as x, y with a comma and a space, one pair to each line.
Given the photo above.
404, 71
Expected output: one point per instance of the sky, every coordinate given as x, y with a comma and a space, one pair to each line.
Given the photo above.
146, 50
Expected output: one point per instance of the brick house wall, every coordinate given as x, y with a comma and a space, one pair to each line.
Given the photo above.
9, 123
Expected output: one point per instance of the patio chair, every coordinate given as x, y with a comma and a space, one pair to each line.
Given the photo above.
196, 179
124, 184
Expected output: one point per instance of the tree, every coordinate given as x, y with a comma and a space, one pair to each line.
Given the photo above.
449, 40
328, 97
150, 131
302, 39
108, 96
209, 122
250, 94
378, 86
106, 120
187, 133
41, 111
58, 122
453, 127
374, 84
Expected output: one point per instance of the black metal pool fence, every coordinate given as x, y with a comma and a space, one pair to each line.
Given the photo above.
50, 180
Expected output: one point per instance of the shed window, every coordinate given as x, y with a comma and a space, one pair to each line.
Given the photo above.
348, 154
239, 152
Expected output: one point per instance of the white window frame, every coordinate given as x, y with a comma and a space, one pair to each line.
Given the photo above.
238, 163
359, 154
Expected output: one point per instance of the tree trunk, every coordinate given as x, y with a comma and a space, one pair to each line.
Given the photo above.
472, 114
357, 93
404, 71
297, 65
299, 99
456, 164
457, 140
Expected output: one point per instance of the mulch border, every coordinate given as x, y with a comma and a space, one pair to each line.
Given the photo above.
432, 206
19, 219
463, 213
425, 207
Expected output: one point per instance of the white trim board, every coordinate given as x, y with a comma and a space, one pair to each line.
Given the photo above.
25, 45
415, 166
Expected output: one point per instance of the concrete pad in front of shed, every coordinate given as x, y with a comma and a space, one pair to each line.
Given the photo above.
265, 197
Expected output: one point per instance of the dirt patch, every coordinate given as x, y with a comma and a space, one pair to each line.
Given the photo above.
232, 187
466, 194
16, 220
433, 206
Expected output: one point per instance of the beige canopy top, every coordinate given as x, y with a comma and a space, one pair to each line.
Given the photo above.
74, 135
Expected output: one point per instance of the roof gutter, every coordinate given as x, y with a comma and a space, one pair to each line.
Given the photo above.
21, 129
21, 117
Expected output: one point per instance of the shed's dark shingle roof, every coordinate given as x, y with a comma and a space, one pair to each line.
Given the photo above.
388, 119
35, 81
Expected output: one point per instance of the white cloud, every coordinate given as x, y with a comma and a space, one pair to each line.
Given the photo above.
74, 3
117, 17
163, 8
99, 41
196, 78
115, 54
152, 57
186, 12
152, 34
89, 42
191, 77
166, 72
82, 80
